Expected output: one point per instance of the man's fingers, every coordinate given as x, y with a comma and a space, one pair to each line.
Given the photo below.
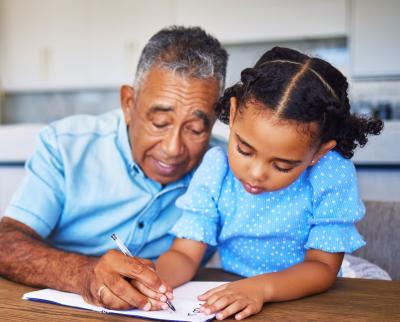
148, 291
147, 262
124, 291
110, 301
134, 268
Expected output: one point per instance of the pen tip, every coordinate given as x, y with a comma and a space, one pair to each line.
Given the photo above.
171, 306
113, 236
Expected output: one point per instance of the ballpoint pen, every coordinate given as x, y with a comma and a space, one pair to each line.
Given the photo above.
126, 252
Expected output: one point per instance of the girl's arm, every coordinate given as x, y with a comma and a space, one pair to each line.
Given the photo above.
180, 263
246, 297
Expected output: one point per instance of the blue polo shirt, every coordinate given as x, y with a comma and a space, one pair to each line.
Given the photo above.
82, 186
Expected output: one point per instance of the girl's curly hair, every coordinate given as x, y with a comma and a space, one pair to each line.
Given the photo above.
303, 89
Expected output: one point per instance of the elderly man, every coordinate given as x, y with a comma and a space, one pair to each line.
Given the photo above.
118, 173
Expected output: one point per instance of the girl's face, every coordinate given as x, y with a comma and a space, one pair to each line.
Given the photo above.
268, 154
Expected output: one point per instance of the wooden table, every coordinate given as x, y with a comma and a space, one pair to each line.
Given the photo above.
348, 300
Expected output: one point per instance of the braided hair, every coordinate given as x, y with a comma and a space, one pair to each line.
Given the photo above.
303, 89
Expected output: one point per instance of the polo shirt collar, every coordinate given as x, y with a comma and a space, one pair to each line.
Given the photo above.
123, 143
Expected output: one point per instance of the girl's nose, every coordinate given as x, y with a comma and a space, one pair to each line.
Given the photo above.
258, 172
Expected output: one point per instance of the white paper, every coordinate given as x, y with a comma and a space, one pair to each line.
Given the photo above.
185, 301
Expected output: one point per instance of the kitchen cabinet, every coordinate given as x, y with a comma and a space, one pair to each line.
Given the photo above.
75, 44
374, 39
241, 21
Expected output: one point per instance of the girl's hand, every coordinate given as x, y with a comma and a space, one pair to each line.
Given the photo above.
245, 296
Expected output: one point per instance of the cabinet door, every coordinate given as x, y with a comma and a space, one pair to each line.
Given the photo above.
374, 39
238, 21
74, 44
44, 44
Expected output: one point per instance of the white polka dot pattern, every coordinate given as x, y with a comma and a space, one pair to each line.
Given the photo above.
270, 232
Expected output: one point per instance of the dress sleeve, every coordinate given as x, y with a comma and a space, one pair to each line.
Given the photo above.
200, 216
39, 199
336, 206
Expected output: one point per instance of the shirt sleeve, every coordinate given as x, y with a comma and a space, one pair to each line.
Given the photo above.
336, 206
200, 216
39, 200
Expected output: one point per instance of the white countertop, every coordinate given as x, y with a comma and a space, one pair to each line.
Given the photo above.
17, 142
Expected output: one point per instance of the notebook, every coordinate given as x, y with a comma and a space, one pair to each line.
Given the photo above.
185, 301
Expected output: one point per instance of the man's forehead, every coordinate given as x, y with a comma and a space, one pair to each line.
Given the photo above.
163, 89
157, 78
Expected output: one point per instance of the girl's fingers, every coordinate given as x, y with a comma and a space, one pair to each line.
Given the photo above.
206, 295
219, 304
208, 306
249, 310
231, 309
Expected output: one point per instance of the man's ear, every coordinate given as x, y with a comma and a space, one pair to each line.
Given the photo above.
323, 149
127, 94
233, 110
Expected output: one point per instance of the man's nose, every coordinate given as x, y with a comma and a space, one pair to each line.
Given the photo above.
172, 144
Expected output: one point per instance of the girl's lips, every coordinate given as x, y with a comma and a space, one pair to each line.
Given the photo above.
252, 189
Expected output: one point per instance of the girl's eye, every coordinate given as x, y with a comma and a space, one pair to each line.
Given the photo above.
284, 170
241, 151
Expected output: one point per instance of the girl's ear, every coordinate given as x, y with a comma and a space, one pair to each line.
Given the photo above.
324, 149
233, 110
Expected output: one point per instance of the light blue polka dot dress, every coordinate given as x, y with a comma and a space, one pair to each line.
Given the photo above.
271, 231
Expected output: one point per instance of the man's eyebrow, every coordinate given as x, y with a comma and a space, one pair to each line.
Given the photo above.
204, 117
159, 108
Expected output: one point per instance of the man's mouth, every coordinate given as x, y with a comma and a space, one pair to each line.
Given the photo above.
167, 169
255, 190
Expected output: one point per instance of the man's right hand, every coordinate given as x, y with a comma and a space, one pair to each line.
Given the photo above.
112, 281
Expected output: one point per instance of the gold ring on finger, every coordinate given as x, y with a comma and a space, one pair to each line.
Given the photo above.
99, 292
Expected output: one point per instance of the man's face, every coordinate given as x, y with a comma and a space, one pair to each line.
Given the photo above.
169, 118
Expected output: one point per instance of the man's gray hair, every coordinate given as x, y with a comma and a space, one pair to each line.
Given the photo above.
188, 51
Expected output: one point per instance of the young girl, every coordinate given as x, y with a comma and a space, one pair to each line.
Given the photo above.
282, 203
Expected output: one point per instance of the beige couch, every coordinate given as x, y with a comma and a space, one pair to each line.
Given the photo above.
381, 230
